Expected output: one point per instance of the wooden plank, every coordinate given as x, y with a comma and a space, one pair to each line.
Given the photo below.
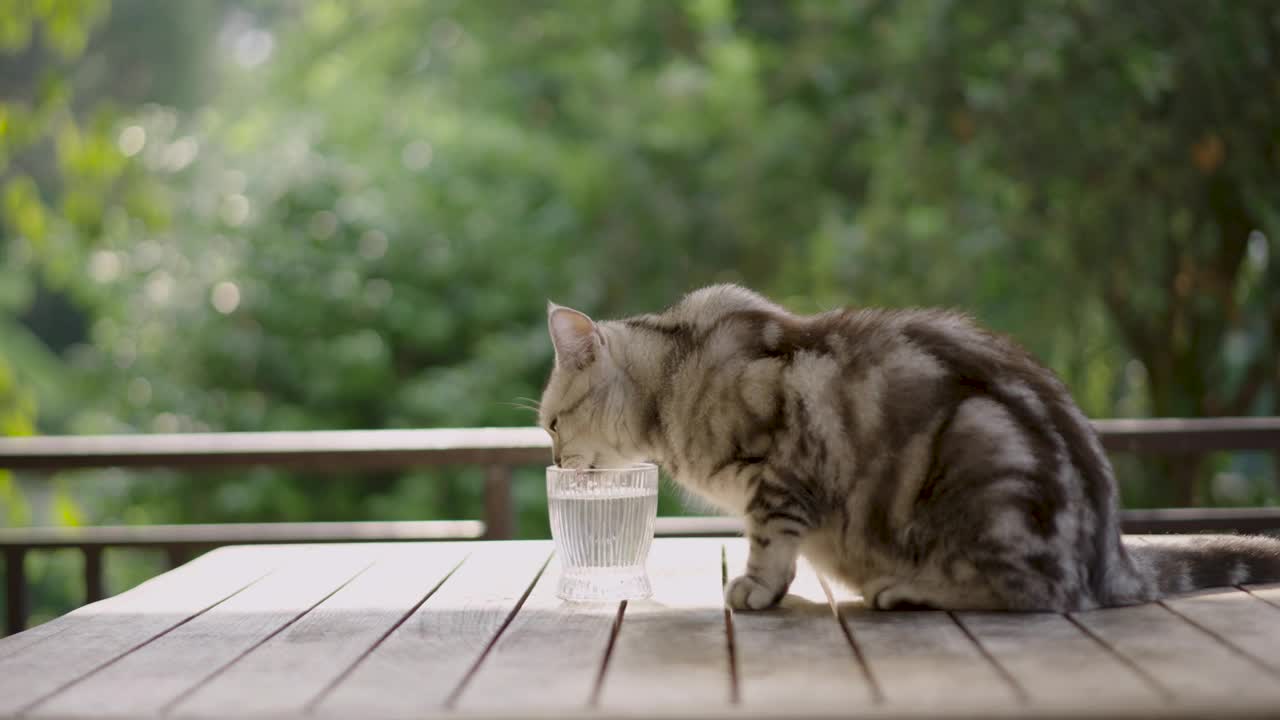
99, 633
1269, 593
340, 449
548, 658
147, 680
428, 656
922, 661
795, 658
18, 642
1055, 663
672, 650
294, 667
1186, 661
1241, 620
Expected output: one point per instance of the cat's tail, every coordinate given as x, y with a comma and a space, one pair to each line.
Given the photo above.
1179, 564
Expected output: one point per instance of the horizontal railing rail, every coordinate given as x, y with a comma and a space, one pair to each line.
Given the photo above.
318, 450
498, 450
1135, 522
362, 449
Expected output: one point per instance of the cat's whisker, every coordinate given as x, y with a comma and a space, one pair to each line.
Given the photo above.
533, 410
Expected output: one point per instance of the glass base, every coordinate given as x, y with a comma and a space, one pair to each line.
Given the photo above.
603, 584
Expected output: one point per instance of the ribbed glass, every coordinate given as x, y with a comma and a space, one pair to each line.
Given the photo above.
602, 524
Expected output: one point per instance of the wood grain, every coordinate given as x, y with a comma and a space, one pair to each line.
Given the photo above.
332, 631
1269, 593
548, 658
426, 658
18, 642
1054, 662
147, 680
1239, 619
672, 651
815, 667
923, 661
96, 634
1188, 662
292, 668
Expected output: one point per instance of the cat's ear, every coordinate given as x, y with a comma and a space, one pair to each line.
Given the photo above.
575, 336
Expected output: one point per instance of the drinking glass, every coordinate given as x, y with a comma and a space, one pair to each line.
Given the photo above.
602, 524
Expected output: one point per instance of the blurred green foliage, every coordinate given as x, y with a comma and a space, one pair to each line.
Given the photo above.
242, 215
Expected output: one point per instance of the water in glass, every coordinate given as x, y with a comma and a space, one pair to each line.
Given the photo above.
602, 523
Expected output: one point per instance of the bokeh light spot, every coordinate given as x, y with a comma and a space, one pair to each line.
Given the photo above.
323, 225
235, 210
225, 297
253, 47
181, 153
131, 140
140, 392
416, 155
104, 266
373, 244
377, 292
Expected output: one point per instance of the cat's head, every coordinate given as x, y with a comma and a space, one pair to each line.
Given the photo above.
586, 405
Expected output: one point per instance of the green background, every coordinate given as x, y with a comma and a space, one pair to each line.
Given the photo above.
324, 215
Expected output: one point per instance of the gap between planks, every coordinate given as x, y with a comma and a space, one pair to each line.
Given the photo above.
311, 705
865, 664
1022, 655
1219, 634
168, 707
877, 694
1273, 603
435, 653
924, 660
452, 700
608, 652
735, 688
28, 707
1019, 691
672, 651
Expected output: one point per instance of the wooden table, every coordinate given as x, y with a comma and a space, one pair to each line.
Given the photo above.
474, 629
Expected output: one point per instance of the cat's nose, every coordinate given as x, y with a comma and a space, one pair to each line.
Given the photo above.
555, 456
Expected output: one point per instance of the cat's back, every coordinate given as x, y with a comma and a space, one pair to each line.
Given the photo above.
705, 308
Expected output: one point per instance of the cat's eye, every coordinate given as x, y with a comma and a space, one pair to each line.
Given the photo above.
554, 423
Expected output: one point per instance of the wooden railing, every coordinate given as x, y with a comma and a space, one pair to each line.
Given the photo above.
499, 450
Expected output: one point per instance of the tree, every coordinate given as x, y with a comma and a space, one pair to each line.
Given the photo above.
361, 225
1125, 149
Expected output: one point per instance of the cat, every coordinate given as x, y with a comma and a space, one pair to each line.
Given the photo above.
908, 454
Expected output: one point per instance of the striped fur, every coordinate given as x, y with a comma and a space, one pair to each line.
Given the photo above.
911, 454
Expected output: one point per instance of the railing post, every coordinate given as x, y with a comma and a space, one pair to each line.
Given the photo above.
93, 589
15, 572
499, 510
177, 555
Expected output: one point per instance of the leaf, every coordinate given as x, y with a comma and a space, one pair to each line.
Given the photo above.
23, 209
65, 509
17, 512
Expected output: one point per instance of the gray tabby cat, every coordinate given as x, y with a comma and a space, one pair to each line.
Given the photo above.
909, 454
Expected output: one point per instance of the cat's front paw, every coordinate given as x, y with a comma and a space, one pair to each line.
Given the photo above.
746, 592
